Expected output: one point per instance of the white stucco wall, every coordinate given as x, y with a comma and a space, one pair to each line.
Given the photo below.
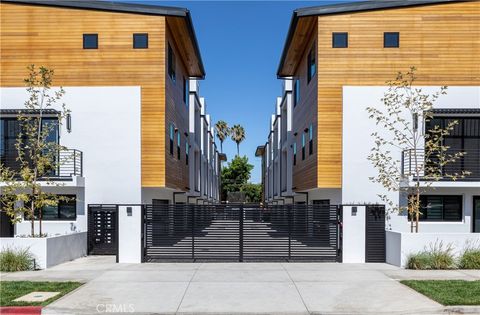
357, 142
401, 245
353, 247
106, 127
129, 234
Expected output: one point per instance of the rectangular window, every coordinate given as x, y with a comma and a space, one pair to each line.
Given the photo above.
391, 39
90, 41
296, 89
178, 145
310, 139
303, 146
185, 91
65, 210
465, 137
187, 150
171, 132
340, 40
440, 208
140, 41
171, 64
295, 153
312, 65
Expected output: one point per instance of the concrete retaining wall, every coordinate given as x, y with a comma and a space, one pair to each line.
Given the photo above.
50, 251
401, 244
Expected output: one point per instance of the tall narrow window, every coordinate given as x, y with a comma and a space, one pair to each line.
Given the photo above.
295, 153
171, 64
187, 150
339, 40
185, 91
140, 41
90, 41
296, 90
172, 135
391, 39
312, 65
178, 145
303, 146
310, 139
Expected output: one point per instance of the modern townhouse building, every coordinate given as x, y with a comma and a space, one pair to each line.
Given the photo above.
130, 73
339, 58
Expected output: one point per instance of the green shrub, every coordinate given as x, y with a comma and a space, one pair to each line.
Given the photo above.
470, 259
16, 260
435, 257
421, 260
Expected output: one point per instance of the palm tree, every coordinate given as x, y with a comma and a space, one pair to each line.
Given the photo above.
238, 135
222, 132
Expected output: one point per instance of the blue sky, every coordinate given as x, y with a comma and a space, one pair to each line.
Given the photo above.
241, 44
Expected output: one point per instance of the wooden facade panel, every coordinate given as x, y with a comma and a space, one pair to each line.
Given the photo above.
442, 41
176, 171
304, 115
53, 37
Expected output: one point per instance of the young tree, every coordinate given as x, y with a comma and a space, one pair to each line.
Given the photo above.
407, 108
238, 135
235, 175
222, 132
36, 157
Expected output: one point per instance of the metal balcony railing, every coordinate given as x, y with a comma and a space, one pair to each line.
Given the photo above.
470, 162
68, 163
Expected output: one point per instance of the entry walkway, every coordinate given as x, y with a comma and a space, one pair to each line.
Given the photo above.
239, 288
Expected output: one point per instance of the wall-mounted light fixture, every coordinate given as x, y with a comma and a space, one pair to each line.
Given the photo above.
69, 122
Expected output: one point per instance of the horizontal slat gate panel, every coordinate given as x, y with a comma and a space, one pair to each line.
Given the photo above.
240, 232
375, 234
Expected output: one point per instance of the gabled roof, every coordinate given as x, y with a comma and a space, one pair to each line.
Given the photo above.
122, 7
346, 8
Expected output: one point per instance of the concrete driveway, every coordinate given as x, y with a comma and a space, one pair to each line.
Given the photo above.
238, 288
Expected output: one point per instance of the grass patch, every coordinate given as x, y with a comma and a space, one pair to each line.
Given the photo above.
10, 290
448, 292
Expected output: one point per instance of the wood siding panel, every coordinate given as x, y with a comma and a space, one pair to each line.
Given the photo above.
53, 37
304, 114
177, 113
442, 41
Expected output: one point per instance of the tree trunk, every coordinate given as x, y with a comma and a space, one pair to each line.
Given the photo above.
417, 212
238, 149
32, 218
221, 146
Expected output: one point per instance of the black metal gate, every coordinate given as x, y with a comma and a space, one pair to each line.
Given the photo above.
241, 232
102, 229
375, 237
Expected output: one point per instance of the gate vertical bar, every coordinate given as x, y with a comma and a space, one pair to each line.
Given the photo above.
240, 234
192, 220
289, 218
142, 239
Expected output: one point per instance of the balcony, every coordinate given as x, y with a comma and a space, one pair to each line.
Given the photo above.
69, 165
470, 162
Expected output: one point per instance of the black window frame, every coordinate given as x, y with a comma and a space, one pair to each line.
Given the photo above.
334, 41
93, 35
179, 151
72, 199
296, 92
424, 216
172, 64
136, 44
310, 140
397, 40
186, 90
311, 62
304, 141
295, 152
171, 136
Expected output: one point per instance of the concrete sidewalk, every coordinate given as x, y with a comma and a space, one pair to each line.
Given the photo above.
240, 288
